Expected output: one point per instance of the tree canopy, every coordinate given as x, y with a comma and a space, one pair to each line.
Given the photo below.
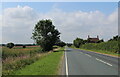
10, 45
77, 42
45, 34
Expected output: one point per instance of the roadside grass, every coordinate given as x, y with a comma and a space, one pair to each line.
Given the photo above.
14, 59
103, 52
99, 51
47, 65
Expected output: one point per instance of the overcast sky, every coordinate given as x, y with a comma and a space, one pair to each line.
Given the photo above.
70, 18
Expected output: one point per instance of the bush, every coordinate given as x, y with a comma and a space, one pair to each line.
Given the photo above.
24, 46
10, 45
69, 44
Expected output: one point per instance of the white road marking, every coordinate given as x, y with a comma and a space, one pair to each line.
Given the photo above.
88, 55
109, 64
104, 62
66, 63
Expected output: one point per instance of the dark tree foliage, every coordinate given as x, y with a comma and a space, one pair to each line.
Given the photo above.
69, 44
115, 38
2, 45
61, 44
45, 34
85, 41
77, 42
100, 41
10, 45
24, 46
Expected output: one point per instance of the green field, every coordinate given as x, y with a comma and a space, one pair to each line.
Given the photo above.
48, 65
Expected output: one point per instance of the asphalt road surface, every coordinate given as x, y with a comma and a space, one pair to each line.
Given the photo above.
80, 62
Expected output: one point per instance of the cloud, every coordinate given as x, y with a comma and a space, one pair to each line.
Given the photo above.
80, 24
19, 15
18, 23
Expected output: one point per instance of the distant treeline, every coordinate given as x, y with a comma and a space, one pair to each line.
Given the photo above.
20, 44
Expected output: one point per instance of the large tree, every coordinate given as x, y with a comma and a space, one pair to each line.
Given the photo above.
45, 34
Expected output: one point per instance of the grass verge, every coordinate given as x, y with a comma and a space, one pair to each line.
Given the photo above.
47, 65
15, 59
101, 51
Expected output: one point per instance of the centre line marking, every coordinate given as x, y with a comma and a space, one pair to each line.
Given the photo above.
88, 55
66, 64
109, 64
104, 62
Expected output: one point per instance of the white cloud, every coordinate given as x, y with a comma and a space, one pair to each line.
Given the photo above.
80, 24
19, 15
19, 22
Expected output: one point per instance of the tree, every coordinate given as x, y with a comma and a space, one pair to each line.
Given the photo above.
45, 34
115, 38
77, 42
85, 41
69, 44
100, 41
61, 44
10, 45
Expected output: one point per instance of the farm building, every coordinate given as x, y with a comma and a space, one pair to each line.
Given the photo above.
93, 40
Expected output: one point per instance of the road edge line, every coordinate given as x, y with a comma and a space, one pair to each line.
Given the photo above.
66, 63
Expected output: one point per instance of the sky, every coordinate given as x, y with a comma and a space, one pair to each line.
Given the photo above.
72, 19
60, 0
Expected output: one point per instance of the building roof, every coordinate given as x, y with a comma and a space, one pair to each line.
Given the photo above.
94, 39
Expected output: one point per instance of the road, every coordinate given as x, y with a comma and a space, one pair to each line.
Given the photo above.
81, 62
